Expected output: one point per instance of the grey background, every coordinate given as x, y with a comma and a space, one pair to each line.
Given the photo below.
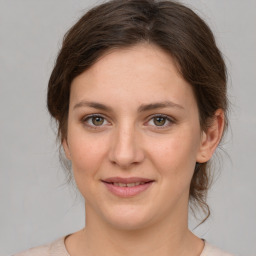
36, 206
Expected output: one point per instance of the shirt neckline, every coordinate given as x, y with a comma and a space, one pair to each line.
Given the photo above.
60, 246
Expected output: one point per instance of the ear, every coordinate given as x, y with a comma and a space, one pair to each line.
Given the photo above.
66, 149
211, 137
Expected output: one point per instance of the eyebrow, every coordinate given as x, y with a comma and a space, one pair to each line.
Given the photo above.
142, 108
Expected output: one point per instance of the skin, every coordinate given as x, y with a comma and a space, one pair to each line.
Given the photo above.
128, 143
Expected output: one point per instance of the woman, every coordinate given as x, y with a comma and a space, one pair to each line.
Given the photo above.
139, 95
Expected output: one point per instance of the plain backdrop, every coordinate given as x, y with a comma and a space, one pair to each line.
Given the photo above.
36, 206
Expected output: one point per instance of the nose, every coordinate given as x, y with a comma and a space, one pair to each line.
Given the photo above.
126, 150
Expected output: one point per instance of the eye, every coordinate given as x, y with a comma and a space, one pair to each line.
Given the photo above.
161, 121
94, 121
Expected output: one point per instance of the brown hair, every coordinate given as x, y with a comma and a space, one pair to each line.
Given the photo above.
167, 24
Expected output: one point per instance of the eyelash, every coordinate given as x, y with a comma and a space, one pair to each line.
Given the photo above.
167, 118
86, 118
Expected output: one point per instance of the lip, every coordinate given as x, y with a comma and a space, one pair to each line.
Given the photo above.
127, 191
126, 180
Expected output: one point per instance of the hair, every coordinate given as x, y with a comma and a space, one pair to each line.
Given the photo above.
171, 26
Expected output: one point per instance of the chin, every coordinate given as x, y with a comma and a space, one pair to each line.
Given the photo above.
128, 218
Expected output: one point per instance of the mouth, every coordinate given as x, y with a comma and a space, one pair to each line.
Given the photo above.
127, 184
127, 187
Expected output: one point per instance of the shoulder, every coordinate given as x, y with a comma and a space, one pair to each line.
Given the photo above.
210, 250
56, 248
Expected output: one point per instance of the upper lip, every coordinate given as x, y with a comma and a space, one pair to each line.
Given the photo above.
126, 180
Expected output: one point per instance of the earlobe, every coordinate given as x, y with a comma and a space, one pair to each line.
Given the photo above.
211, 137
66, 149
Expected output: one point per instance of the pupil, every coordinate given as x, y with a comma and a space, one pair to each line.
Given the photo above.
159, 121
97, 120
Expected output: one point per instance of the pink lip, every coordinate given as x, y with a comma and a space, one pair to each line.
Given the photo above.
126, 180
127, 191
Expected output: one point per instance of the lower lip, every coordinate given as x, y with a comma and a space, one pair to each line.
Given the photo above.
127, 191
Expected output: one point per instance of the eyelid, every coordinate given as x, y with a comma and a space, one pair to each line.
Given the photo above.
168, 118
87, 117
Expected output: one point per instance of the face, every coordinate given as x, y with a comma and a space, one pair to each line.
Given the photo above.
133, 138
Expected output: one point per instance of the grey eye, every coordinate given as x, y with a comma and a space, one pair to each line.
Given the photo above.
94, 121
97, 120
159, 120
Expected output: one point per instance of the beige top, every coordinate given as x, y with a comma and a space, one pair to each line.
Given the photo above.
57, 248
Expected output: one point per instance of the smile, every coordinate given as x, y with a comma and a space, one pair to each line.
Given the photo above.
128, 184
127, 187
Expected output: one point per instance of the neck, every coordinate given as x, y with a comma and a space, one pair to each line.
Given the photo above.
166, 238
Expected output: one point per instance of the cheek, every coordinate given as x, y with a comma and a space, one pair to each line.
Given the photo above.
87, 153
176, 156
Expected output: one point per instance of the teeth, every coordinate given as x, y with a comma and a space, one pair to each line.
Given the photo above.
128, 184
119, 184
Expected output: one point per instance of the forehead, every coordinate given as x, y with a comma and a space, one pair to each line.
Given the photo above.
142, 73
144, 57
